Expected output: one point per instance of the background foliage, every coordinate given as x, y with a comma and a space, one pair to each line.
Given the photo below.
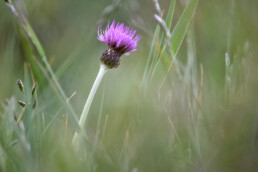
198, 114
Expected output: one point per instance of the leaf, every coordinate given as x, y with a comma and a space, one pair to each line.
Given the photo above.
181, 27
166, 60
168, 22
150, 59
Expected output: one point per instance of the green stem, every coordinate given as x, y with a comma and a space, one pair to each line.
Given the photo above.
102, 71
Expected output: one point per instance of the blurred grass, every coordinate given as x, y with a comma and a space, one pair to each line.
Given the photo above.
205, 120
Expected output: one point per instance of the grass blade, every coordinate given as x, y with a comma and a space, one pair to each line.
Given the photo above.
150, 58
168, 22
181, 27
165, 61
24, 23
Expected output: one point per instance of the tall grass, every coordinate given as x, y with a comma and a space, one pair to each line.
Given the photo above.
185, 101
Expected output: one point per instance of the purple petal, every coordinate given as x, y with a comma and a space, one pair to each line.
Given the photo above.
120, 37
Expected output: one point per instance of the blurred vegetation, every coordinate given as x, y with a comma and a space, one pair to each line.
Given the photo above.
198, 112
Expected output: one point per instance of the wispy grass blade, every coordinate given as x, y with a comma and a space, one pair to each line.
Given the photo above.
190, 74
150, 58
28, 121
164, 63
37, 67
181, 27
97, 135
170, 13
168, 22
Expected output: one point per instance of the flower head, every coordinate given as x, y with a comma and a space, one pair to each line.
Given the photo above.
120, 39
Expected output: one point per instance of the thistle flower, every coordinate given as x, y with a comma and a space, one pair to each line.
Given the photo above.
120, 39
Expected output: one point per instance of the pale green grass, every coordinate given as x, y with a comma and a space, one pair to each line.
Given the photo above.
189, 104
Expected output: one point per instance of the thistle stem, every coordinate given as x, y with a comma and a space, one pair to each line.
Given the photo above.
102, 71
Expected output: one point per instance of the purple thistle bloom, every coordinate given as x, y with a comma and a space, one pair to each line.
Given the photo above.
120, 39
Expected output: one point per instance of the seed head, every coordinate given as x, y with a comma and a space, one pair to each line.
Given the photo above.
22, 103
120, 39
33, 89
20, 85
